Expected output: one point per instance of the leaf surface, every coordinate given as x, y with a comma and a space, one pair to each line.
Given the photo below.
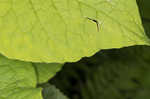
46, 71
67, 30
18, 80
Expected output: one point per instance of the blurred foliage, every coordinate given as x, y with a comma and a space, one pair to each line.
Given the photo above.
51, 92
119, 78
110, 74
144, 8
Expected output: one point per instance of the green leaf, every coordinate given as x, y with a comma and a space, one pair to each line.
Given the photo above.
46, 71
65, 31
50, 92
18, 80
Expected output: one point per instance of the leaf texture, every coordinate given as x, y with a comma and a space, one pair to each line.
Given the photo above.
61, 31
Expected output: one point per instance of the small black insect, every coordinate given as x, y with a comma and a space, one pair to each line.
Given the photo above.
97, 23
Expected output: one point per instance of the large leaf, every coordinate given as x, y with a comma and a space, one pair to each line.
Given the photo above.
66, 30
18, 80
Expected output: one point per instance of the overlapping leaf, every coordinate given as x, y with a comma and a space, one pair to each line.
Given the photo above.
18, 80
46, 71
